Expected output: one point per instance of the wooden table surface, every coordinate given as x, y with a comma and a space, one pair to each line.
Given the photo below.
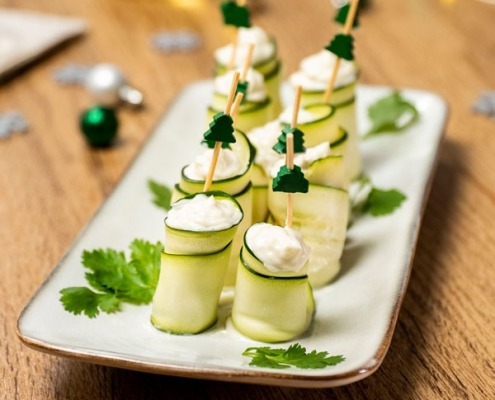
51, 183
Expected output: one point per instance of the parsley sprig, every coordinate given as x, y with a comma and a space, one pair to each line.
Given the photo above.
114, 280
162, 195
367, 198
294, 356
391, 114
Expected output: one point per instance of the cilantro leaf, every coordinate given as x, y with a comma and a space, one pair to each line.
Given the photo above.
79, 300
113, 279
162, 194
391, 114
295, 356
382, 202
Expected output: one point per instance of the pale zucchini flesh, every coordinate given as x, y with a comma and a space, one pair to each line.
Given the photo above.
188, 291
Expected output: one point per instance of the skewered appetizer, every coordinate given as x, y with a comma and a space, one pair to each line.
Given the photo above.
273, 298
198, 242
234, 155
329, 77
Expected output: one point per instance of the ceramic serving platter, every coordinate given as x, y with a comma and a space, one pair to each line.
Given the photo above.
356, 315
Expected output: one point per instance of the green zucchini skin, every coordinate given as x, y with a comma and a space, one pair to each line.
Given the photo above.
271, 309
188, 291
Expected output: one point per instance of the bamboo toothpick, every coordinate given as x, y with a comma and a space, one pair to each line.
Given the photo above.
247, 62
347, 29
233, 55
218, 145
234, 111
289, 159
290, 164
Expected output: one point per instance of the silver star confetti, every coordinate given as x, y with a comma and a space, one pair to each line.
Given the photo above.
71, 74
485, 104
175, 41
12, 122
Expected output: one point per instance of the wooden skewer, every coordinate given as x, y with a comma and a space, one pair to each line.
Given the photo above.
233, 55
234, 111
218, 145
247, 62
351, 15
289, 159
290, 165
297, 105
233, 88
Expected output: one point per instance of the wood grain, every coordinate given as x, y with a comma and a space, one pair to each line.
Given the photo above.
51, 183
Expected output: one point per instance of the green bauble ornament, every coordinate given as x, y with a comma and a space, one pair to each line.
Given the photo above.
99, 126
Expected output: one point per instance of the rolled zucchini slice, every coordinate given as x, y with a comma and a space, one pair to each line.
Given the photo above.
321, 215
188, 291
271, 309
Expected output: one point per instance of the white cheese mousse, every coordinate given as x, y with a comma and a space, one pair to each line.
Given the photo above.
304, 160
314, 72
264, 47
228, 165
256, 91
263, 138
203, 213
279, 249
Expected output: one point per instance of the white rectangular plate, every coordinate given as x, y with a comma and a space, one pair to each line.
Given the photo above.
355, 316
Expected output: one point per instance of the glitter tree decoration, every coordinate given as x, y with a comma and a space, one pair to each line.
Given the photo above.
342, 46
235, 14
298, 139
341, 16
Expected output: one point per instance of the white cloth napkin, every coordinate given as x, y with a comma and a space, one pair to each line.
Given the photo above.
27, 35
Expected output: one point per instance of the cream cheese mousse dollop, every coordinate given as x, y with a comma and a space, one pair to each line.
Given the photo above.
199, 230
273, 298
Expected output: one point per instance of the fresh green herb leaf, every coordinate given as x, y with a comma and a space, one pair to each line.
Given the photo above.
366, 198
382, 202
295, 356
162, 194
114, 279
391, 114
79, 300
